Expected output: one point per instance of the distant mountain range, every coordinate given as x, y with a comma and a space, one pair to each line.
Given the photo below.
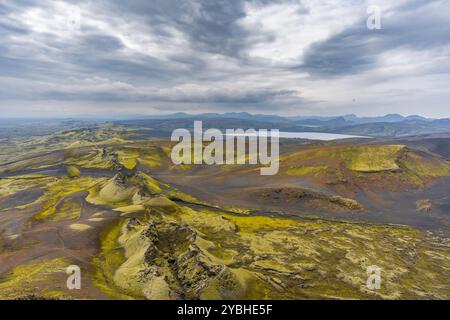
351, 118
391, 125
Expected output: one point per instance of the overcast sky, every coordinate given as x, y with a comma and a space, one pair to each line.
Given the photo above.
289, 57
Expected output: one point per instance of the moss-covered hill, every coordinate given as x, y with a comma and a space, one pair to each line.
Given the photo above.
390, 167
150, 247
175, 252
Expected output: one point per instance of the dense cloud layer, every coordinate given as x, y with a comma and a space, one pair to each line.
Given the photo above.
286, 56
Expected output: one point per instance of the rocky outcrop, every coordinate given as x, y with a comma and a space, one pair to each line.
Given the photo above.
172, 265
307, 199
424, 206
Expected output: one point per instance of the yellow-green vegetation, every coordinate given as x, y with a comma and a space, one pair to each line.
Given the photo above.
371, 158
147, 182
130, 209
162, 249
67, 210
33, 278
235, 209
150, 162
23, 182
177, 194
91, 158
56, 192
114, 192
275, 258
330, 259
303, 170
96, 219
32, 162
37, 148
336, 165
80, 227
129, 275
110, 192
160, 204
259, 223
109, 260
87, 137
347, 203
419, 168
128, 158
211, 220
122, 191
153, 156
364, 158
163, 261
73, 171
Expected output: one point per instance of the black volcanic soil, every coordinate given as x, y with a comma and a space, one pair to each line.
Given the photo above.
55, 239
60, 171
386, 201
252, 191
21, 198
438, 144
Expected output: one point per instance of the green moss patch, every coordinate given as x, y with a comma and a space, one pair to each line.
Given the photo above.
34, 278
302, 170
73, 171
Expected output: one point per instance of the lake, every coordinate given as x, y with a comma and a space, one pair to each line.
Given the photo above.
311, 136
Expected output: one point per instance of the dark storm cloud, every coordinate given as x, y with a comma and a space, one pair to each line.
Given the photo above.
6, 29
101, 43
249, 97
211, 26
28, 68
215, 97
215, 28
202, 51
417, 25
